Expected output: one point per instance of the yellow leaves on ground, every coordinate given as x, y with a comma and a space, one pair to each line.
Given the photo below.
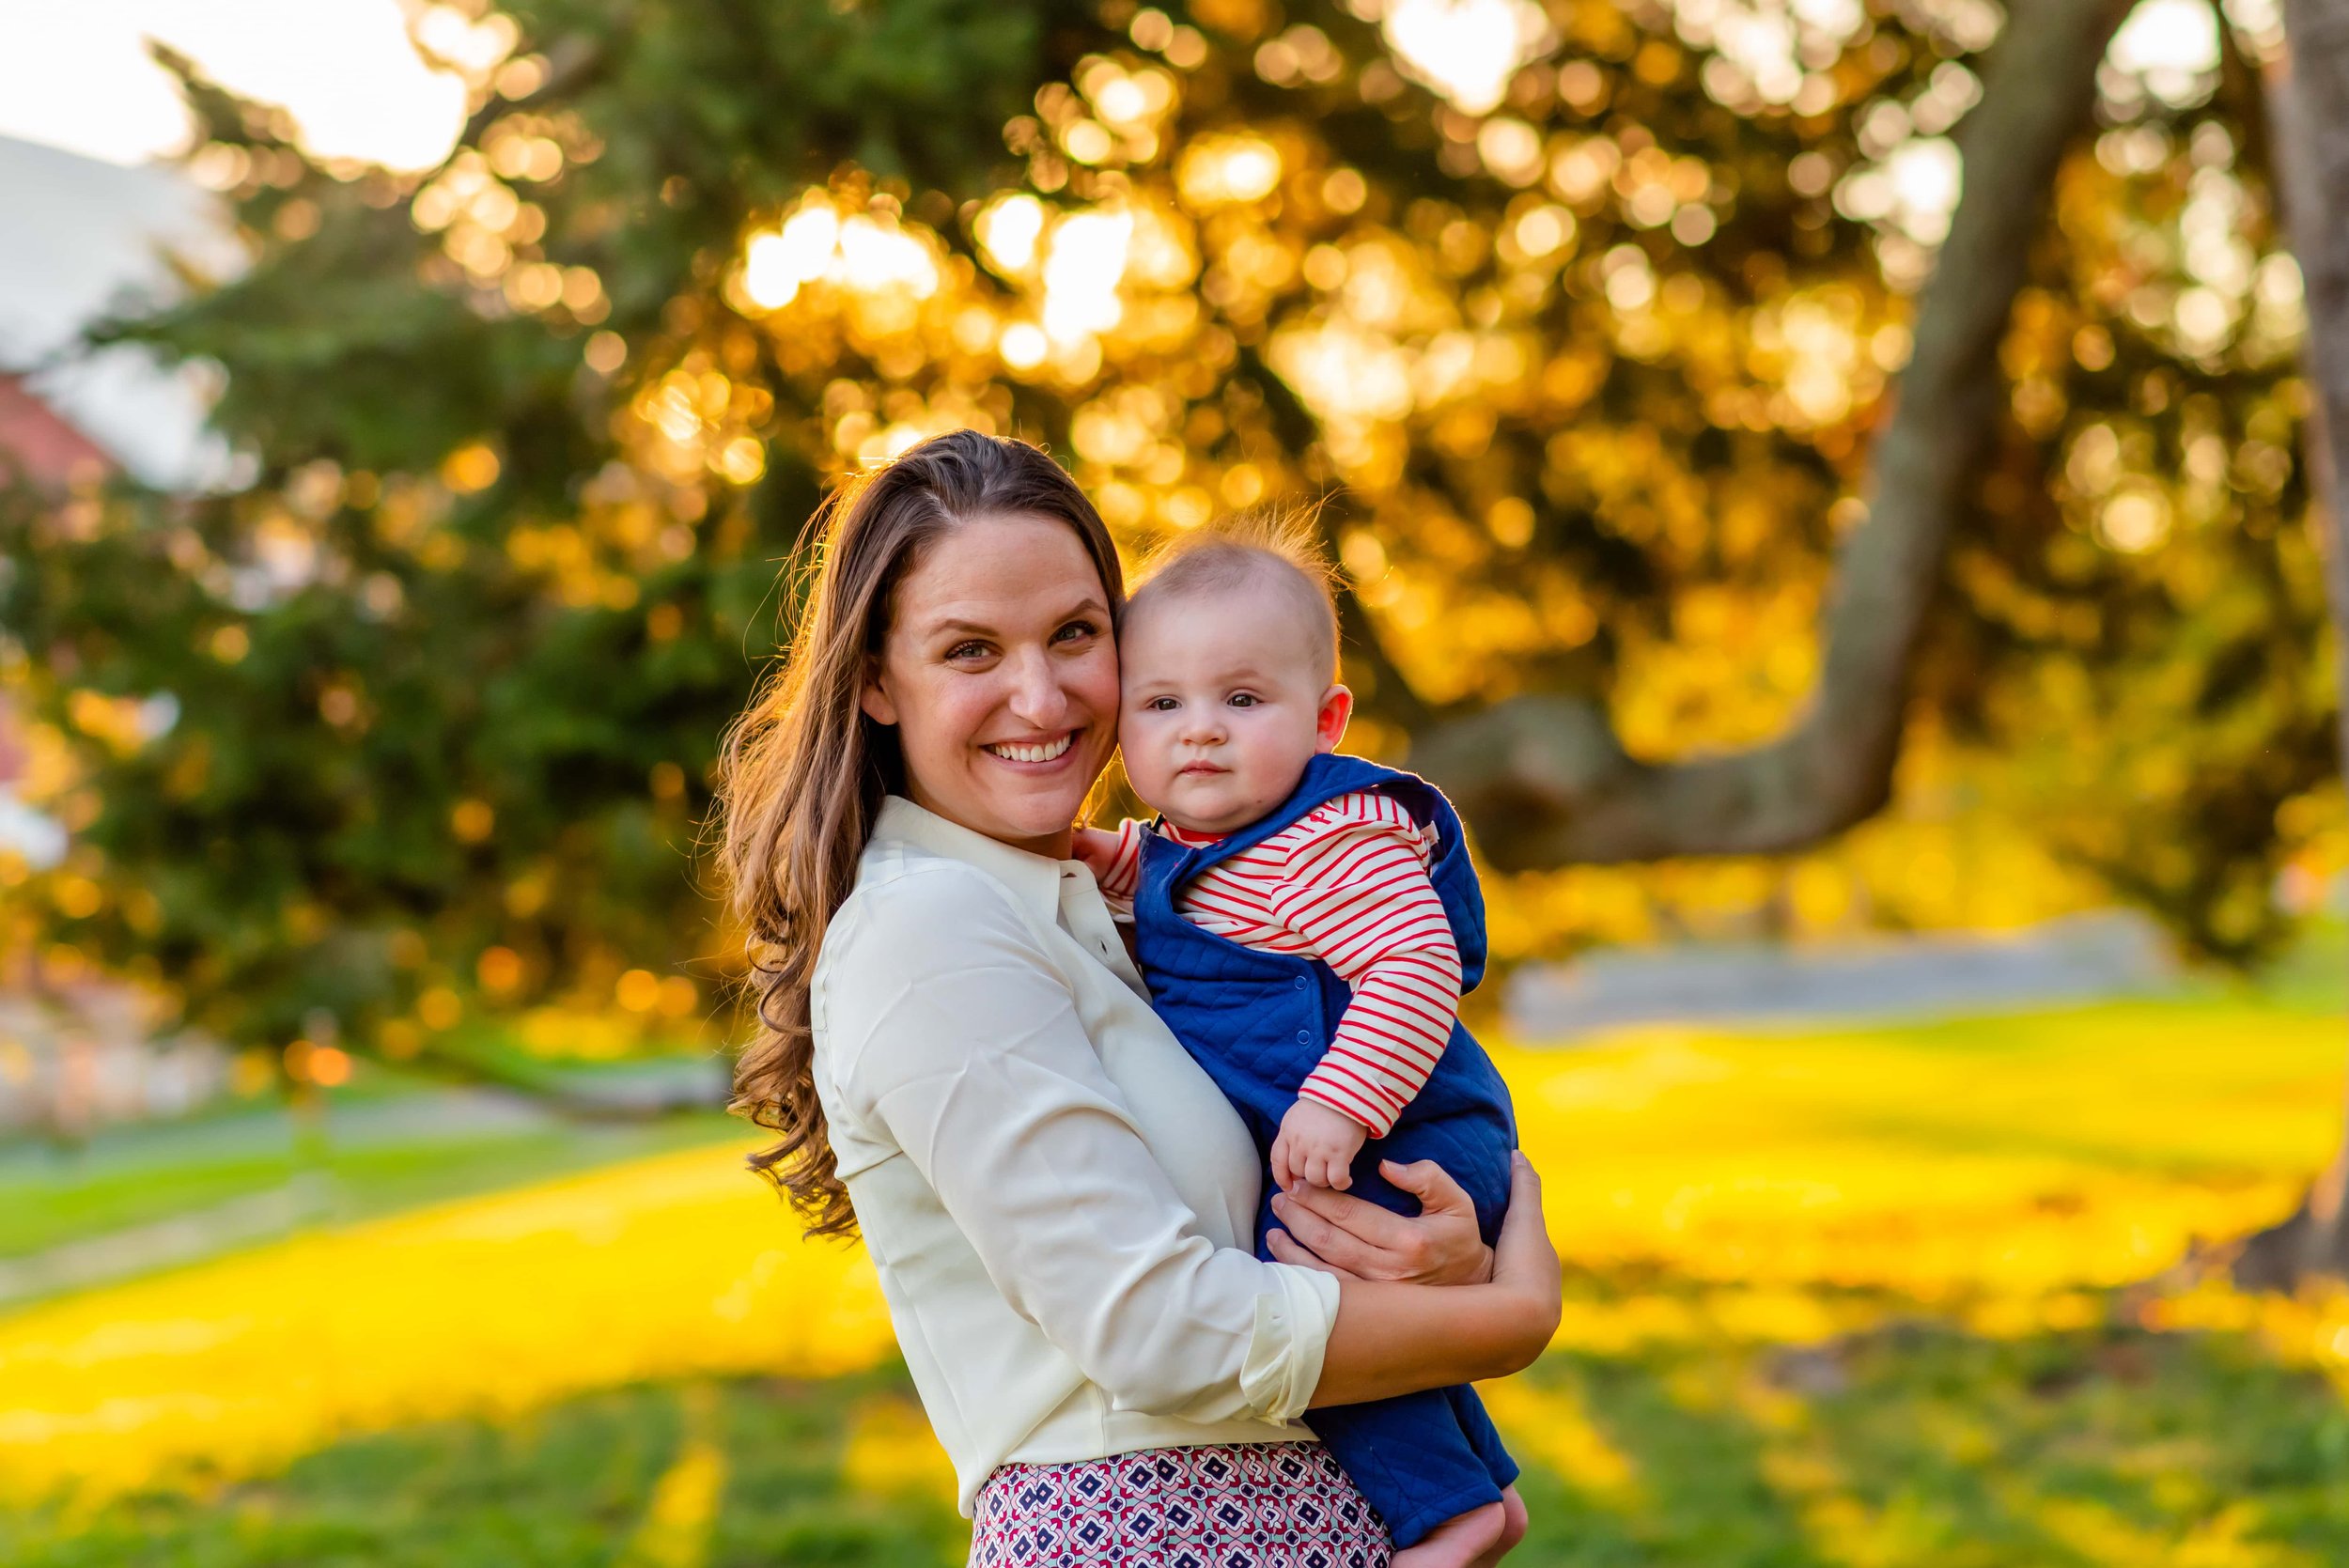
1774, 1190
1966, 1164
680, 1266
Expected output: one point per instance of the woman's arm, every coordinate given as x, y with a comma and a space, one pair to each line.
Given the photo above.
948, 1028
1395, 1339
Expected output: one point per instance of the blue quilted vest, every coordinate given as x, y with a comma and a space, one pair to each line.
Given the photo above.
1258, 1023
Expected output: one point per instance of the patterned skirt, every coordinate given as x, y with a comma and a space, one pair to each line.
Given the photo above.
1246, 1505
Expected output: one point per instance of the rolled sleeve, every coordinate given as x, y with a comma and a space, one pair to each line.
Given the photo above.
979, 1068
1292, 1333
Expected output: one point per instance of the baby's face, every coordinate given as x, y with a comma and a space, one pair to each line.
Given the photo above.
1225, 700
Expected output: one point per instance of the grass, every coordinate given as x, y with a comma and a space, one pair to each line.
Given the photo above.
391, 1139
51, 1198
768, 1472
1919, 1444
1914, 1444
1904, 1295
49, 1202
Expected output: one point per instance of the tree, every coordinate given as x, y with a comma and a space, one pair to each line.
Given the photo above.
2307, 100
1605, 338
444, 684
1545, 777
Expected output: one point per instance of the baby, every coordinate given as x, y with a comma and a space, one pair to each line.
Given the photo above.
1307, 922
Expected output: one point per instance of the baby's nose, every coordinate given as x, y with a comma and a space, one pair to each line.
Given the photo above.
1203, 726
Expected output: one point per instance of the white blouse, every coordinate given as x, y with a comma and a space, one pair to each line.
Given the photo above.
1058, 1200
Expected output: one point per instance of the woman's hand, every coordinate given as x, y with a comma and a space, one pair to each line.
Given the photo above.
1354, 1238
1393, 1339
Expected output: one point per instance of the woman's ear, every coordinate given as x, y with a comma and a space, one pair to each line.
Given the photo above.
874, 699
1337, 706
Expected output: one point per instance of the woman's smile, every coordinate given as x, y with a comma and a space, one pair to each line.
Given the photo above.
1031, 752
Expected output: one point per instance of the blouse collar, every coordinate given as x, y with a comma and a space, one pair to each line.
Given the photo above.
1033, 878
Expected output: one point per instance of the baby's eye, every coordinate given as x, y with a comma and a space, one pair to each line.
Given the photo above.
1243, 699
1158, 704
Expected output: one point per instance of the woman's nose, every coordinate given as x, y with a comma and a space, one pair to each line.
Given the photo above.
1038, 696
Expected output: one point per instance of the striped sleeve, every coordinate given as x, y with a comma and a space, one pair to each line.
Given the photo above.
1122, 878
1355, 885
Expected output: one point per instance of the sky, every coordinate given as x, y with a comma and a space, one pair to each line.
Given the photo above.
75, 74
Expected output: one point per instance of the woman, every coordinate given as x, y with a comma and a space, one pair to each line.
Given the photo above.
963, 1066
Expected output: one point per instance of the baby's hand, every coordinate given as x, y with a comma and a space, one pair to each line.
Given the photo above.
1097, 850
1316, 1147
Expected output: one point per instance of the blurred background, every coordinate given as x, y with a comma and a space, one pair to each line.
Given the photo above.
1824, 484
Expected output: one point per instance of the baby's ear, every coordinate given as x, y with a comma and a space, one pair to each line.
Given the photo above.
1337, 706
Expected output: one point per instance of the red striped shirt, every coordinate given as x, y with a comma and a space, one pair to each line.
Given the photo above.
1347, 884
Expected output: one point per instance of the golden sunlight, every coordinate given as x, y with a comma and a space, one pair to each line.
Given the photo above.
1466, 50
777, 263
1081, 274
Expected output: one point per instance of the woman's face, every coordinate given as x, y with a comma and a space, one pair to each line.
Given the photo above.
999, 671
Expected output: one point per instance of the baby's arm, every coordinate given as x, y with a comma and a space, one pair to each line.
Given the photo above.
1116, 861
1358, 889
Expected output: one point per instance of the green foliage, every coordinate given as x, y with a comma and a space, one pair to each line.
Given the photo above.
1915, 1444
528, 448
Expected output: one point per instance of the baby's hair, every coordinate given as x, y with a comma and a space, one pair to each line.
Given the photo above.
1277, 549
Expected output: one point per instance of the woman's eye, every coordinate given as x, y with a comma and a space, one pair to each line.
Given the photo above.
966, 650
1074, 631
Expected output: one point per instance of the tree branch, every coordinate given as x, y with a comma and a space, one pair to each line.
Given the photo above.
2308, 97
1365, 653
2308, 115
1544, 781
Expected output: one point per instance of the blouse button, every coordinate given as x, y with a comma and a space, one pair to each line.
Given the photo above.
1305, 1036
1301, 982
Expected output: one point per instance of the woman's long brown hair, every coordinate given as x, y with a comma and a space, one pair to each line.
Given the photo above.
804, 769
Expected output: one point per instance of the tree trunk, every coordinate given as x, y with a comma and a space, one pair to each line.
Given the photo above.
2308, 111
1544, 781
